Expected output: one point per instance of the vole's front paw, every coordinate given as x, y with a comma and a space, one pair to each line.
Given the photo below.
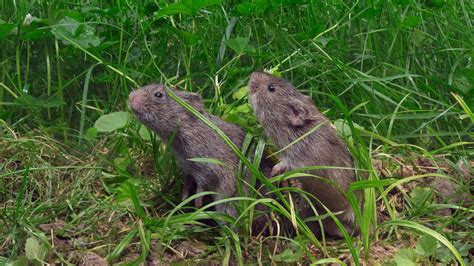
278, 169
198, 201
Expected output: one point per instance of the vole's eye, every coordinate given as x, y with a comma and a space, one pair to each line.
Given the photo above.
158, 94
271, 88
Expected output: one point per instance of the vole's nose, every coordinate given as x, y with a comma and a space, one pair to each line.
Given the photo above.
134, 100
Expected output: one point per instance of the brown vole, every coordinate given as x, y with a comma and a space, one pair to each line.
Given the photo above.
153, 106
286, 115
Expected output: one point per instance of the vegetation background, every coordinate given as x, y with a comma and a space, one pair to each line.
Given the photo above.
83, 182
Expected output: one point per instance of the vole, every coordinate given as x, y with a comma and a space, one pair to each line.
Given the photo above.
286, 115
192, 138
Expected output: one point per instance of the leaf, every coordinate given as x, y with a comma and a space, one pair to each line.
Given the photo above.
426, 246
255, 7
186, 7
288, 256
420, 196
243, 108
246, 8
241, 93
435, 3
371, 13
111, 122
188, 37
20, 261
402, 3
420, 38
91, 133
5, 28
405, 257
34, 249
70, 30
464, 79
464, 106
463, 247
240, 45
127, 195
410, 22
144, 133
173, 9
427, 231
206, 160
344, 129
444, 255
197, 5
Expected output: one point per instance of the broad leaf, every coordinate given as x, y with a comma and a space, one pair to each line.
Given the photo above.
405, 257
5, 28
112, 122
69, 30
241, 93
186, 7
410, 22
240, 45
426, 246
288, 256
34, 249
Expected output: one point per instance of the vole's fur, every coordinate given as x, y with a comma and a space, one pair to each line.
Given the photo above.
153, 106
286, 115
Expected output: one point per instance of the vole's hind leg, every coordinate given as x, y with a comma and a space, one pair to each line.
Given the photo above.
198, 201
188, 183
225, 191
188, 188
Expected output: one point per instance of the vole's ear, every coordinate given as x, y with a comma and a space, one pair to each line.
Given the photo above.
299, 114
196, 101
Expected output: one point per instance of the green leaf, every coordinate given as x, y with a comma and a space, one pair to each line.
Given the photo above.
206, 160
410, 22
34, 249
420, 38
79, 33
464, 80
344, 129
246, 8
91, 133
426, 246
112, 122
428, 231
402, 2
243, 108
144, 133
420, 196
5, 28
20, 261
405, 257
288, 256
128, 196
444, 255
255, 7
240, 45
173, 9
115, 254
186, 7
241, 93
435, 3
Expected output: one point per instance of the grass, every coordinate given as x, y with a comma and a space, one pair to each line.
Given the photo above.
395, 76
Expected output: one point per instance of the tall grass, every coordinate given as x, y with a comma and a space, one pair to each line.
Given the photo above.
398, 73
